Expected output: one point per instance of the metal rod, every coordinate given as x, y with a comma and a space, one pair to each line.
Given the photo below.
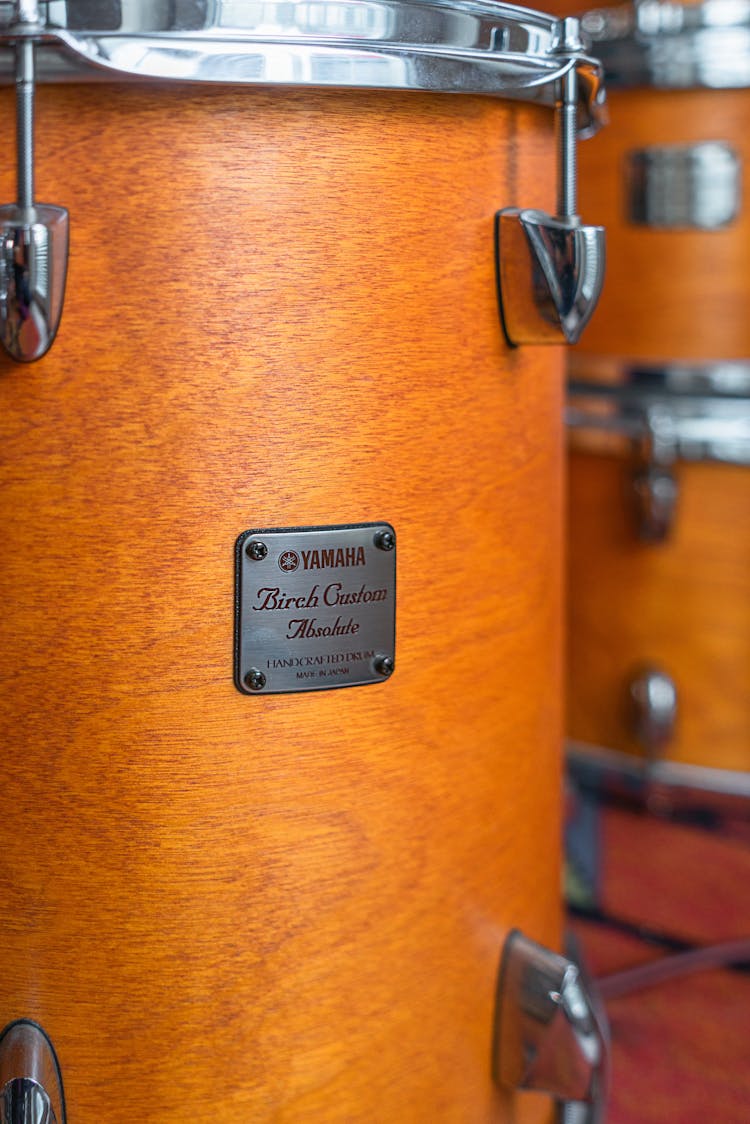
25, 122
567, 126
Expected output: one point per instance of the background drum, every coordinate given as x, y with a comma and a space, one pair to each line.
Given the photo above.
660, 401
281, 311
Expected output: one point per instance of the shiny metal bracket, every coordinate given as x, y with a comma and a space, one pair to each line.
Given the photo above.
660, 415
684, 186
33, 236
31, 1090
551, 269
550, 1035
656, 489
653, 780
653, 697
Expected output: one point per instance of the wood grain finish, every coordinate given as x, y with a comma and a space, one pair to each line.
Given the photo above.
281, 311
683, 605
668, 294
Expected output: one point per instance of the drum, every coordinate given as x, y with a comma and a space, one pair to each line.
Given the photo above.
659, 406
659, 568
279, 377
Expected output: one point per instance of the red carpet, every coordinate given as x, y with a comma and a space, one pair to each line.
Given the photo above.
681, 1048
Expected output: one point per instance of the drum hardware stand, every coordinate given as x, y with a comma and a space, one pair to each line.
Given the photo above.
550, 1033
551, 270
655, 486
33, 236
31, 1089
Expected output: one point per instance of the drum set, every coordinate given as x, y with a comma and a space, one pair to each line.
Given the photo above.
284, 413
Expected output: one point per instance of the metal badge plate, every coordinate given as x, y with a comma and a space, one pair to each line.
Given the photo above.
316, 608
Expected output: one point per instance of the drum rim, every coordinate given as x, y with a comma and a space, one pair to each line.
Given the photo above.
699, 410
451, 46
672, 46
612, 770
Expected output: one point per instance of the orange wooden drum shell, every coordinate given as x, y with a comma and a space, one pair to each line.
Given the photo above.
668, 294
683, 605
281, 311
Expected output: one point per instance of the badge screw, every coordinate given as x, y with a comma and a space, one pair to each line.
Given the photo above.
385, 540
255, 680
384, 666
256, 550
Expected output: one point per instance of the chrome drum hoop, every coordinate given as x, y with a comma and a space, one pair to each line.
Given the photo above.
664, 785
672, 45
690, 412
464, 46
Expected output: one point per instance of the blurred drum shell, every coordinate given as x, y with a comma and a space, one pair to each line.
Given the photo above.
682, 606
671, 297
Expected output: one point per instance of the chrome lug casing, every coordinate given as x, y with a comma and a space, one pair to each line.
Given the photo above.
551, 273
33, 263
550, 1032
31, 1090
25, 1102
653, 697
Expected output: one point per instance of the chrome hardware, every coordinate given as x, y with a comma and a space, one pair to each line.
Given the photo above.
655, 486
452, 46
656, 491
33, 236
691, 787
25, 1102
672, 45
31, 1089
466, 46
685, 411
549, 1033
677, 187
551, 273
551, 270
653, 696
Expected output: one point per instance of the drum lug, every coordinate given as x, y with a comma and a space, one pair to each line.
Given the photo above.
550, 275
653, 696
33, 237
656, 491
551, 270
550, 1034
30, 1083
655, 487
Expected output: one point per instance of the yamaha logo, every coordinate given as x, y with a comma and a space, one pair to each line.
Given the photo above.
289, 561
334, 559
